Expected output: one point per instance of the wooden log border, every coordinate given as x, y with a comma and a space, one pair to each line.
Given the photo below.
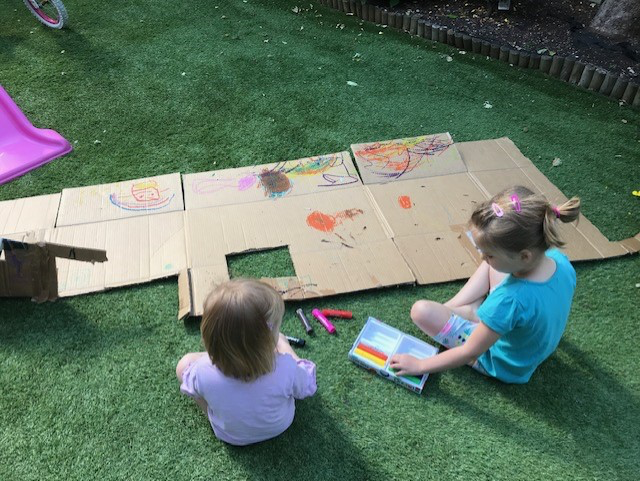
569, 70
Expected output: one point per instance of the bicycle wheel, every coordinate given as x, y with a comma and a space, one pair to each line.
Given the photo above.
50, 12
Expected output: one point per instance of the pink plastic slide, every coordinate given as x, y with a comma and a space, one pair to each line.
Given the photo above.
24, 147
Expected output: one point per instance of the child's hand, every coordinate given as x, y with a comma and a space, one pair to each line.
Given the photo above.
283, 347
406, 365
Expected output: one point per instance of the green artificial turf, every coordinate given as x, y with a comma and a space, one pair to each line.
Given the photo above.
87, 388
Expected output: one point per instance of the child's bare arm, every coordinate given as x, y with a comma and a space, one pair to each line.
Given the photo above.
283, 347
480, 340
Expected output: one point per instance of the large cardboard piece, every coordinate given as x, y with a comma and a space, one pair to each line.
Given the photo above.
131, 198
29, 269
269, 181
406, 223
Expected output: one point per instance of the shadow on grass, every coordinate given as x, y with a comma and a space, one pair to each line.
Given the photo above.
45, 328
307, 450
592, 416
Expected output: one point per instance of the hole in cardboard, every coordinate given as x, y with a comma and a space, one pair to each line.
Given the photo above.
266, 263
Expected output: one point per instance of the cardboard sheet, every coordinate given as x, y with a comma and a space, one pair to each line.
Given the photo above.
140, 249
28, 214
336, 241
270, 181
410, 158
406, 223
130, 198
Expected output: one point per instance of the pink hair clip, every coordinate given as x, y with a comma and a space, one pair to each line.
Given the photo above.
515, 200
497, 210
556, 211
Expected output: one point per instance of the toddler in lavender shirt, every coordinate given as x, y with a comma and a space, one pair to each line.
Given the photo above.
249, 377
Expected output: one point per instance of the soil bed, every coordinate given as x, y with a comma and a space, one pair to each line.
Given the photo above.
547, 27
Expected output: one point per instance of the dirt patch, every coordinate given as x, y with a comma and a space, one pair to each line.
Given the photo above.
548, 27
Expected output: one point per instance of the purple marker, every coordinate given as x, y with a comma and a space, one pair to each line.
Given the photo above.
324, 321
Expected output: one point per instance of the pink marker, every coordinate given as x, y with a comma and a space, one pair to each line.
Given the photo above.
324, 321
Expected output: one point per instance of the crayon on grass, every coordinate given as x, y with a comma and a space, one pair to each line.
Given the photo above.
304, 320
295, 341
337, 313
324, 321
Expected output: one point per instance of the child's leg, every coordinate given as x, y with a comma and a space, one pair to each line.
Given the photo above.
430, 316
444, 326
468, 299
183, 364
468, 311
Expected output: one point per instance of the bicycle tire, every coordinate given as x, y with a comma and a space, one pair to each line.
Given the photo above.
49, 12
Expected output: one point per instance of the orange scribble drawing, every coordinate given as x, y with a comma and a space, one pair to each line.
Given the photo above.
392, 159
405, 202
326, 222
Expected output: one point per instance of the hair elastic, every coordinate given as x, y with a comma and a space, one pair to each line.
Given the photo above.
556, 211
515, 200
497, 210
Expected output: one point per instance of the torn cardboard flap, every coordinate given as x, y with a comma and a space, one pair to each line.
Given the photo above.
29, 270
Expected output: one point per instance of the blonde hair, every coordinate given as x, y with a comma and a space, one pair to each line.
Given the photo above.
518, 219
240, 327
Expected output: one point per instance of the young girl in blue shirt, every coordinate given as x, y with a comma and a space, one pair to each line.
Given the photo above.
509, 317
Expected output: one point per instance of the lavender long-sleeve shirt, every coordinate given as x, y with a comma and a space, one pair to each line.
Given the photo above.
243, 413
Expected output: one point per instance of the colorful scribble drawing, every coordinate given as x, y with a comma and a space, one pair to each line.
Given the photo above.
393, 159
146, 195
320, 165
209, 186
278, 180
275, 183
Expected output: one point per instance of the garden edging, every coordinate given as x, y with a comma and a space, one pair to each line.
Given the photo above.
568, 69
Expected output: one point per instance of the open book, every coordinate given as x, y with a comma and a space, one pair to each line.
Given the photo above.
378, 342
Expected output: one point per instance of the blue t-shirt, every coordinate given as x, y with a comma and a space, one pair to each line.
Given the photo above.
530, 318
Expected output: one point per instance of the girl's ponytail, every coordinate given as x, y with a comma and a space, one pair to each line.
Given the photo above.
567, 212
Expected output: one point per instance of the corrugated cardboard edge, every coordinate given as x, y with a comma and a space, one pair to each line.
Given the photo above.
185, 303
631, 244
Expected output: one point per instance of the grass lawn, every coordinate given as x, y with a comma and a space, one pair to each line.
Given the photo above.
87, 383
